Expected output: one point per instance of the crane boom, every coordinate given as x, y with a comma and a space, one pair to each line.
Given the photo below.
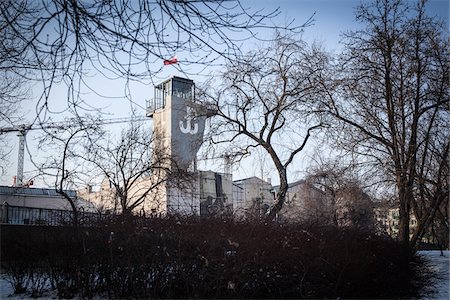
23, 129
20, 158
67, 124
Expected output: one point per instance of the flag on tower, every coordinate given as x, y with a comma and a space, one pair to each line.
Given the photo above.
173, 60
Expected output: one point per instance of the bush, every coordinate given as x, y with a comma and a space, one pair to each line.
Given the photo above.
193, 258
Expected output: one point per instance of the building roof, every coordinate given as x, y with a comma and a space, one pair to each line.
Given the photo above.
9, 190
296, 183
248, 179
176, 78
290, 185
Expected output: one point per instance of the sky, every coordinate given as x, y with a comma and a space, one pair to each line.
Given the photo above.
331, 18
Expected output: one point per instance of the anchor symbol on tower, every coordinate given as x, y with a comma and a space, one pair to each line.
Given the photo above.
188, 128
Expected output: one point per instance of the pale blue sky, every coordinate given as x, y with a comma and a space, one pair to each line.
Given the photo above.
332, 16
331, 19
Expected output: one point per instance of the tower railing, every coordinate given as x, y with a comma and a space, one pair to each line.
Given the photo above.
154, 104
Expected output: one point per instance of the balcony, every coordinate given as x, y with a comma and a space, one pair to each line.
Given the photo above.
176, 86
152, 105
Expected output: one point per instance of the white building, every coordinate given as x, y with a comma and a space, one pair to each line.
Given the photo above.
178, 125
304, 203
254, 197
34, 206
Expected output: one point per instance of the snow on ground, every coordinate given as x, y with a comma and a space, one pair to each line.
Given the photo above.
440, 265
437, 263
7, 292
5, 287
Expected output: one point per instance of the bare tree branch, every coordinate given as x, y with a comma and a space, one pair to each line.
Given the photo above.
265, 101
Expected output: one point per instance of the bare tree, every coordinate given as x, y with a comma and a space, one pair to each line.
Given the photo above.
431, 190
348, 203
392, 96
11, 94
132, 166
13, 88
264, 101
329, 179
66, 169
63, 42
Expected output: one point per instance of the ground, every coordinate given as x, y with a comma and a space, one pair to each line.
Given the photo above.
440, 265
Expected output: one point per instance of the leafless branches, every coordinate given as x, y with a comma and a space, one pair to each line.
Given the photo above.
65, 41
62, 45
391, 97
67, 167
266, 99
347, 202
133, 168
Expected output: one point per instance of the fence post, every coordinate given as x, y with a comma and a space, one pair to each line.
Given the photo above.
4, 213
80, 215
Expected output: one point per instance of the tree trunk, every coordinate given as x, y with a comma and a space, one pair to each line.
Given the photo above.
425, 223
281, 195
126, 212
72, 205
403, 234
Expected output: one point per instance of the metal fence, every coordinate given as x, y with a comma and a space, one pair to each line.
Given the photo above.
20, 215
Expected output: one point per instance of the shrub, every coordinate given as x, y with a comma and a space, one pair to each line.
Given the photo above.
212, 258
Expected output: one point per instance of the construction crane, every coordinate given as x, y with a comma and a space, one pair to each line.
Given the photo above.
23, 129
228, 159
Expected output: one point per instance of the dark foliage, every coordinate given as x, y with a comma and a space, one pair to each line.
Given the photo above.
197, 258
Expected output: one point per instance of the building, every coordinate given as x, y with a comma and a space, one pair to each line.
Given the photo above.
254, 197
178, 125
104, 199
353, 207
173, 187
387, 217
238, 200
178, 121
212, 190
305, 203
388, 222
216, 193
38, 206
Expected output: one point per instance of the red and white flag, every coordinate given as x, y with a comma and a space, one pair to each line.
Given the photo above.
173, 60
